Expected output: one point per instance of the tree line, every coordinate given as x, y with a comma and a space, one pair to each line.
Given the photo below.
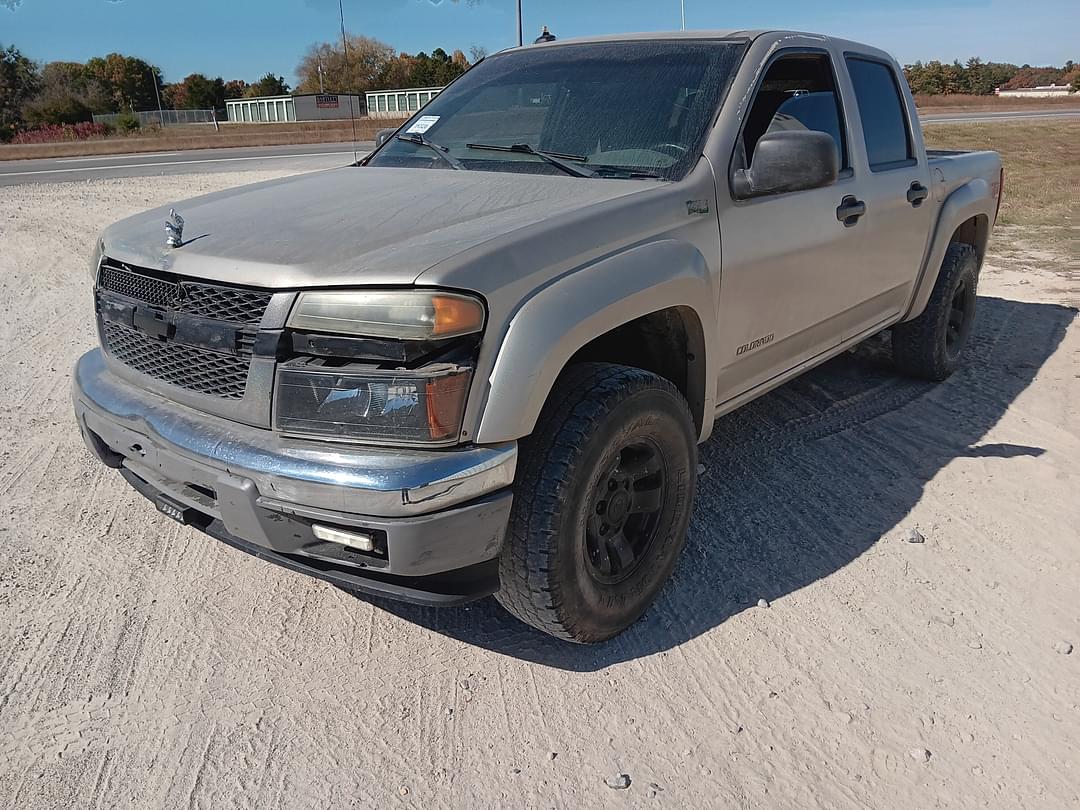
33, 94
66, 93
57, 93
979, 78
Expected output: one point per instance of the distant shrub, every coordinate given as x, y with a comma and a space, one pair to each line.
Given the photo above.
127, 122
51, 133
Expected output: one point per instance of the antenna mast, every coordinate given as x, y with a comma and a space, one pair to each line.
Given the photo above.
352, 109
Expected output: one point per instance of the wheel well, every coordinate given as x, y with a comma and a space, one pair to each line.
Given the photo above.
669, 343
974, 232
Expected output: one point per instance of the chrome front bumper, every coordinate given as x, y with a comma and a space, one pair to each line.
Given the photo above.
439, 510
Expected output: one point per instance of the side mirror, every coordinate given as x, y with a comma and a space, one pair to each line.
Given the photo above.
383, 135
788, 160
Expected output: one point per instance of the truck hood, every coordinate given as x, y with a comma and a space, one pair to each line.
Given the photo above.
349, 225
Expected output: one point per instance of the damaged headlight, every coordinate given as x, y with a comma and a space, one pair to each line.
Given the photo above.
349, 402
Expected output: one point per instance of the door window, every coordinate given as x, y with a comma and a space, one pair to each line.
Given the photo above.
798, 92
881, 110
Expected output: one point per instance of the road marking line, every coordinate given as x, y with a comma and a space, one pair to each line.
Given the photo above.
170, 163
114, 157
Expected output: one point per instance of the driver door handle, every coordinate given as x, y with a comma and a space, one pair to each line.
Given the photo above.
849, 211
917, 193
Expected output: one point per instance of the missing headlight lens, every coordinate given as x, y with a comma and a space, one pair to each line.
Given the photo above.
399, 407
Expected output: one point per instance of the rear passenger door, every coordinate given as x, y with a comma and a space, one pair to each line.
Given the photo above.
894, 184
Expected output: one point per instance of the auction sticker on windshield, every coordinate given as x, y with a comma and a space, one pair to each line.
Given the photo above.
423, 124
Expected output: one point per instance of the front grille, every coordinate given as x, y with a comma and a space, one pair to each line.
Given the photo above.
233, 304
190, 367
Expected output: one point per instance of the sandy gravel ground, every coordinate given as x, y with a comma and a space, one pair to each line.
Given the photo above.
145, 665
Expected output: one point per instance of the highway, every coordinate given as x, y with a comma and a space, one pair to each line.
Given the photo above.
297, 157
988, 117
309, 157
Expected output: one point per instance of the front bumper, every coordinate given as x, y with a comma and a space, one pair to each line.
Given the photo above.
439, 515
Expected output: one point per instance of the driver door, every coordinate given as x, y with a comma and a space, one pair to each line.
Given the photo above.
788, 263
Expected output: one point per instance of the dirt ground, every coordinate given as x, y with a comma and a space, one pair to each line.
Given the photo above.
145, 665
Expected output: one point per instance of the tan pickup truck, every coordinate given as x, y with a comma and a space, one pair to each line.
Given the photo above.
481, 360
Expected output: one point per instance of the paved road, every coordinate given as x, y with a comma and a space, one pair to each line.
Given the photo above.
306, 157
301, 157
985, 117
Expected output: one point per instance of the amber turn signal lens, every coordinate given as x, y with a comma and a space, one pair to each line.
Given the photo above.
455, 315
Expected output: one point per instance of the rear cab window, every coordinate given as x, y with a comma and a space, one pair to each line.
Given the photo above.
886, 133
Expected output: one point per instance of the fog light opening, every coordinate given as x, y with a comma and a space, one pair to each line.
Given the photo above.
360, 541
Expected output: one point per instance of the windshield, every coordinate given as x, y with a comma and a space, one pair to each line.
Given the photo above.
633, 109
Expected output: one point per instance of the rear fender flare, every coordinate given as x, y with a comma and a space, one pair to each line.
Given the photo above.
969, 200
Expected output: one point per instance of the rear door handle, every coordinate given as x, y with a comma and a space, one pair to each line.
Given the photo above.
917, 193
850, 210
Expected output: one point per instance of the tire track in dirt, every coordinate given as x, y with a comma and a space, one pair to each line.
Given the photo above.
146, 664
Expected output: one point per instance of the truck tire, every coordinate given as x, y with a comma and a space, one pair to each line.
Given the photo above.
931, 346
604, 489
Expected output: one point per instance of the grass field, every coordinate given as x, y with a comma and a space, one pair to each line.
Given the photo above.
1042, 166
959, 101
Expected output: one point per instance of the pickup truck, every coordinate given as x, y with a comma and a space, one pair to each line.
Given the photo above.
480, 360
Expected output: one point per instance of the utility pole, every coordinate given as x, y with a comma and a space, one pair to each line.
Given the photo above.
520, 42
157, 95
682, 8
321, 88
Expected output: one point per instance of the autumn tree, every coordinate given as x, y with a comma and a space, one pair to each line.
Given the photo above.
367, 58
67, 94
234, 88
196, 92
130, 80
373, 65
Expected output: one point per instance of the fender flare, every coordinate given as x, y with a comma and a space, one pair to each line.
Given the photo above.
559, 319
972, 199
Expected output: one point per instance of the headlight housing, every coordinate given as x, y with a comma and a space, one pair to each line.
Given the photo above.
351, 401
389, 314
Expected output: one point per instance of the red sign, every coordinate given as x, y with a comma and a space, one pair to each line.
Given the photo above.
326, 102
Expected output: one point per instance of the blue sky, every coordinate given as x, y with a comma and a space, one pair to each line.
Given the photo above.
246, 38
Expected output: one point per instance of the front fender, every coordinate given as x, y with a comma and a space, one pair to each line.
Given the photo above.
564, 316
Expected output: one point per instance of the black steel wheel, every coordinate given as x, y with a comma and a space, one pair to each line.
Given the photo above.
931, 346
602, 499
624, 512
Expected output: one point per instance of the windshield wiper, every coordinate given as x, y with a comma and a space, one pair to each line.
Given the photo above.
627, 172
441, 151
554, 158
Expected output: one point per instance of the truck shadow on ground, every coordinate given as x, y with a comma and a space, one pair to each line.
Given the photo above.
802, 481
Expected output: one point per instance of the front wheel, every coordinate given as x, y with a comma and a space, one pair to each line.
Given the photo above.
601, 503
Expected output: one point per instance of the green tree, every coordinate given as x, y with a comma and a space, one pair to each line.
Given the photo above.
130, 80
268, 85
19, 82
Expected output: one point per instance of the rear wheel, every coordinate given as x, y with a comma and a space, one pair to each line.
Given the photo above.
602, 499
932, 345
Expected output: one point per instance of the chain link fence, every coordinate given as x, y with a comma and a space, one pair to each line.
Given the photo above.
165, 118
